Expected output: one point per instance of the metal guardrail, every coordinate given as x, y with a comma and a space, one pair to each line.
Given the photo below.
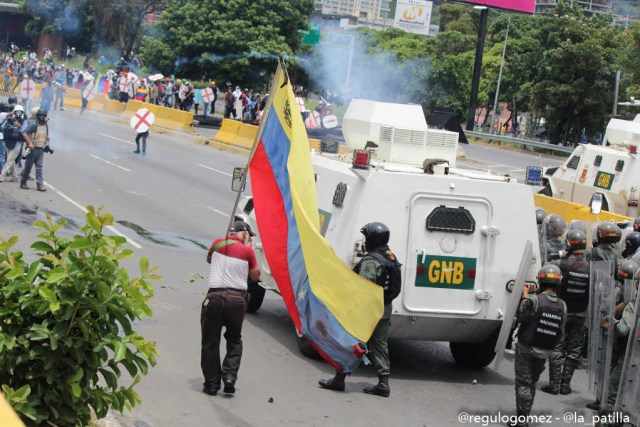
520, 141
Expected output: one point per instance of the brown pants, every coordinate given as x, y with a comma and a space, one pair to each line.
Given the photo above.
224, 308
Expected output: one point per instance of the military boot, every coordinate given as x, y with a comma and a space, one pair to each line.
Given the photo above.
567, 374
555, 373
336, 383
380, 389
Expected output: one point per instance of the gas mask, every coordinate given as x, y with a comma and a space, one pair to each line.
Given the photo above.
19, 115
41, 120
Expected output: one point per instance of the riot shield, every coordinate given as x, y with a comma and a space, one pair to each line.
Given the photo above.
628, 400
552, 244
577, 224
601, 322
512, 301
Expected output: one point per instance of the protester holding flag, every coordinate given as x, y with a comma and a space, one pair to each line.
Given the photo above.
233, 261
316, 286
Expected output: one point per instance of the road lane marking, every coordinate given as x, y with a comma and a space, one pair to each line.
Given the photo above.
213, 209
117, 139
108, 162
215, 170
82, 208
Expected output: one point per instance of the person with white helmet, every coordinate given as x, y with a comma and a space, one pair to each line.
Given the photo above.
14, 136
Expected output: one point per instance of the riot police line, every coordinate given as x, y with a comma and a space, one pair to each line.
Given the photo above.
599, 286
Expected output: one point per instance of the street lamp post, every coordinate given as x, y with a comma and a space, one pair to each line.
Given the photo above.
495, 100
477, 67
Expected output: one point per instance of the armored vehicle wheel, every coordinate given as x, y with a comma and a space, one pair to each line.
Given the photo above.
307, 349
474, 355
255, 296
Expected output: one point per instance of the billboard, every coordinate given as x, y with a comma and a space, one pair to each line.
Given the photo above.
413, 16
526, 6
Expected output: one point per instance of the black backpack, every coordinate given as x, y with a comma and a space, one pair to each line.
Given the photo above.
391, 275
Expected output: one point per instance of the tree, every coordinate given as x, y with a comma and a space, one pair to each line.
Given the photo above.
573, 87
236, 40
118, 23
68, 18
60, 313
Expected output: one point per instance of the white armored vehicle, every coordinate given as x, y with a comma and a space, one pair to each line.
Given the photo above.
609, 169
459, 234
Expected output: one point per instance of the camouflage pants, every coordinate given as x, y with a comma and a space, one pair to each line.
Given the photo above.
378, 343
567, 355
614, 381
528, 369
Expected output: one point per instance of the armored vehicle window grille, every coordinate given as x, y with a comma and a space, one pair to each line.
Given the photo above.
598, 160
574, 162
619, 165
451, 220
339, 195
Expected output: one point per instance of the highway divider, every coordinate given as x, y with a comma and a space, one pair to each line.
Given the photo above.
168, 118
570, 211
234, 132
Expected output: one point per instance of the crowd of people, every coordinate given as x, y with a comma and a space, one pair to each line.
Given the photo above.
181, 94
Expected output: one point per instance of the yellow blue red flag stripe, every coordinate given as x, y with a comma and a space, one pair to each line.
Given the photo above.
334, 308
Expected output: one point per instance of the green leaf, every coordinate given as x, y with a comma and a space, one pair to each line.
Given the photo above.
77, 375
34, 269
75, 390
144, 265
42, 246
81, 243
57, 276
119, 351
47, 294
21, 393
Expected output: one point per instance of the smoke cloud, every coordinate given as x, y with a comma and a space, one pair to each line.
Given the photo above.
343, 64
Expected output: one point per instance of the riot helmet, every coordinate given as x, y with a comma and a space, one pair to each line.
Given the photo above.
576, 240
555, 225
549, 275
13, 100
540, 215
608, 232
375, 234
626, 270
4, 108
631, 243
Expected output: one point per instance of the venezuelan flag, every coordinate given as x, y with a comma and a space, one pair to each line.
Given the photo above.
334, 308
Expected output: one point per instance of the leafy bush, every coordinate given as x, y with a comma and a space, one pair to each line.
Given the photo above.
65, 324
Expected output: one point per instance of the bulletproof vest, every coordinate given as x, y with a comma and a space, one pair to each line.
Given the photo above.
544, 330
574, 290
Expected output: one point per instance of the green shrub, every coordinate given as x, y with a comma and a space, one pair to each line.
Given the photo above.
65, 324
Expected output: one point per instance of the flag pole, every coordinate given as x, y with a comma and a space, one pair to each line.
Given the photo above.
267, 108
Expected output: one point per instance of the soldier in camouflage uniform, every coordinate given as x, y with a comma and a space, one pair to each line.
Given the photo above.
371, 268
553, 227
542, 318
574, 291
607, 234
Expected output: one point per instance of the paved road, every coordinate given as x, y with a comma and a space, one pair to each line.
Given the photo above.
172, 203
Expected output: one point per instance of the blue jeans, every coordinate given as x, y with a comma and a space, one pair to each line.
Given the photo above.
3, 153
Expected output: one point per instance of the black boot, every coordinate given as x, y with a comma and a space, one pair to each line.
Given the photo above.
380, 389
336, 383
550, 388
